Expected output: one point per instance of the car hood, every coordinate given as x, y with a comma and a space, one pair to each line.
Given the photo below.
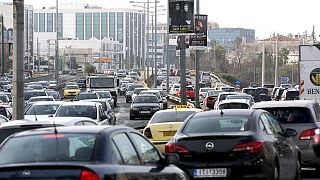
39, 117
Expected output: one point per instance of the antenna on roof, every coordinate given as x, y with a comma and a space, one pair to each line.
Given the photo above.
55, 127
35, 114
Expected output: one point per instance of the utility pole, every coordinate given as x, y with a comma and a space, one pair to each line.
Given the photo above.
276, 66
167, 50
144, 56
48, 57
18, 61
183, 95
197, 63
38, 56
155, 43
263, 68
147, 39
56, 64
2, 47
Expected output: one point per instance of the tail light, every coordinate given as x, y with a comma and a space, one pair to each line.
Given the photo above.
88, 175
307, 134
251, 147
210, 98
173, 148
147, 133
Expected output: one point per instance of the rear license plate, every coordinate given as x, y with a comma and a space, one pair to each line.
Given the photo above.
145, 112
213, 172
169, 133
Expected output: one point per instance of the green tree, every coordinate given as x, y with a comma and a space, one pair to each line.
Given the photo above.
283, 56
89, 68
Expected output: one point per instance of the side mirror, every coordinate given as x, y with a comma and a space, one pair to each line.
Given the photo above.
291, 132
172, 158
50, 115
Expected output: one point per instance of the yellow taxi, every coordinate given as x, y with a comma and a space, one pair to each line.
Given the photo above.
71, 91
192, 72
164, 124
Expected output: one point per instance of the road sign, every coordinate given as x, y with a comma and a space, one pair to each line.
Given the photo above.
284, 79
238, 81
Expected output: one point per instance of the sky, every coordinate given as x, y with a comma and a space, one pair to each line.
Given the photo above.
265, 16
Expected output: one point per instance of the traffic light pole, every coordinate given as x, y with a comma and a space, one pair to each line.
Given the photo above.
18, 61
183, 95
2, 47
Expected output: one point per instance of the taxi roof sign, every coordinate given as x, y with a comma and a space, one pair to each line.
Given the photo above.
181, 106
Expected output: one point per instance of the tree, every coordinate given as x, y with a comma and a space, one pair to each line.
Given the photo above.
283, 56
89, 68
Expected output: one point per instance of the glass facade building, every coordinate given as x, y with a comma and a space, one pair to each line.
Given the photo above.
227, 36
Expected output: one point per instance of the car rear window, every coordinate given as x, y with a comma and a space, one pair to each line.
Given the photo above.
234, 106
175, 116
292, 95
48, 147
209, 124
291, 115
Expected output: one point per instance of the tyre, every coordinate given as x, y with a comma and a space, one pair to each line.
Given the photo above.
275, 174
298, 170
115, 104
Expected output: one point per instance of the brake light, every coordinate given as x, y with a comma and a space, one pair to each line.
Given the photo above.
173, 148
147, 133
88, 175
251, 147
307, 134
50, 136
210, 98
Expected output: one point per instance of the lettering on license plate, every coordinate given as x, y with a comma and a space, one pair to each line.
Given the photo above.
169, 133
213, 172
145, 112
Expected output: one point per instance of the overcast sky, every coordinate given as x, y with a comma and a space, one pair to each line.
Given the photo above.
265, 16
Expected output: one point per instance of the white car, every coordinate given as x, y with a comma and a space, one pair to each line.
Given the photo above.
203, 92
174, 88
234, 104
163, 85
41, 110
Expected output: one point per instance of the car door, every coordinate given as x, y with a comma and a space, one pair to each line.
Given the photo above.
152, 161
288, 148
278, 143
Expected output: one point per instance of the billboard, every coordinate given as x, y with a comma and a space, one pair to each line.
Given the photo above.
201, 27
181, 16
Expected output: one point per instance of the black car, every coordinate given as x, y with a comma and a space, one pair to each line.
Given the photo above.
88, 152
144, 106
81, 83
236, 144
130, 91
85, 95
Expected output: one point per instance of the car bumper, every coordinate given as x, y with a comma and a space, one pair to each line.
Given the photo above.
129, 98
70, 94
138, 113
308, 158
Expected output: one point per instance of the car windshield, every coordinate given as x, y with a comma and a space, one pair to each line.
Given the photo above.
151, 93
138, 90
40, 99
228, 89
205, 89
4, 98
77, 111
234, 106
81, 81
72, 87
146, 99
250, 91
268, 86
105, 94
210, 124
86, 96
263, 91
132, 87
45, 109
173, 116
239, 97
48, 147
292, 95
290, 115
28, 95
54, 94
214, 93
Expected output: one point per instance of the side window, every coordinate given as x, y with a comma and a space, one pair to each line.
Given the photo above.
148, 152
316, 108
126, 149
116, 157
261, 125
88, 123
277, 127
80, 123
267, 125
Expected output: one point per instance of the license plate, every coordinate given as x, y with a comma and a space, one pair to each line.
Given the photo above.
169, 133
145, 112
213, 172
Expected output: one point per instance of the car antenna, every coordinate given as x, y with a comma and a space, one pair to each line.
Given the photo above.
221, 112
35, 114
55, 127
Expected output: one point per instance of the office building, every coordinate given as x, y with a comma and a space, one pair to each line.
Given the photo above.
227, 36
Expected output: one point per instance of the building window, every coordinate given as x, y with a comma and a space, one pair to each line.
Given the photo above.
42, 22
35, 23
96, 25
49, 22
104, 25
120, 26
88, 21
112, 27
60, 24
80, 26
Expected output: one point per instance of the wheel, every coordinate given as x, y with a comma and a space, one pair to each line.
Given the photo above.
131, 117
115, 104
275, 175
298, 170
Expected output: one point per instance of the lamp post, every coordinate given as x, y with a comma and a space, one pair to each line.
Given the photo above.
57, 45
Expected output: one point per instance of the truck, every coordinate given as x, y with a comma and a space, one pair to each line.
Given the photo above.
309, 64
103, 83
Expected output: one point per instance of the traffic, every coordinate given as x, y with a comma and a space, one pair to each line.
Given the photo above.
124, 124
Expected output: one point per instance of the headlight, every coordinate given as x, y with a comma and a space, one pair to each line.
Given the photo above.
156, 108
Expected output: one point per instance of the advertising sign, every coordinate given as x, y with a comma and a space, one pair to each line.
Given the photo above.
181, 16
200, 37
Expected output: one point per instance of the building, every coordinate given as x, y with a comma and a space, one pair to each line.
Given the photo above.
228, 36
7, 10
84, 23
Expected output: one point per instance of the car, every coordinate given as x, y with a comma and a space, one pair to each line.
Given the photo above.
32, 100
211, 98
130, 91
206, 80
242, 96
4, 99
6, 111
234, 104
71, 91
264, 94
41, 110
93, 110
71, 83
52, 84
253, 92
123, 88
136, 70
286, 86
82, 83
290, 94
73, 72
107, 96
54, 94
164, 123
203, 92
85, 95
33, 93
303, 116
85, 153
174, 88
121, 73
190, 94
162, 99
73, 121
129, 79
236, 144
160, 79
144, 106
163, 85
137, 91
270, 87
222, 96
108, 111
227, 89
44, 84
8, 94
35, 87
133, 75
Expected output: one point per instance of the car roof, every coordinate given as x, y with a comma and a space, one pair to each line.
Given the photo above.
179, 109
40, 97
36, 90
79, 103
276, 104
48, 102
244, 101
23, 122
71, 129
228, 112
